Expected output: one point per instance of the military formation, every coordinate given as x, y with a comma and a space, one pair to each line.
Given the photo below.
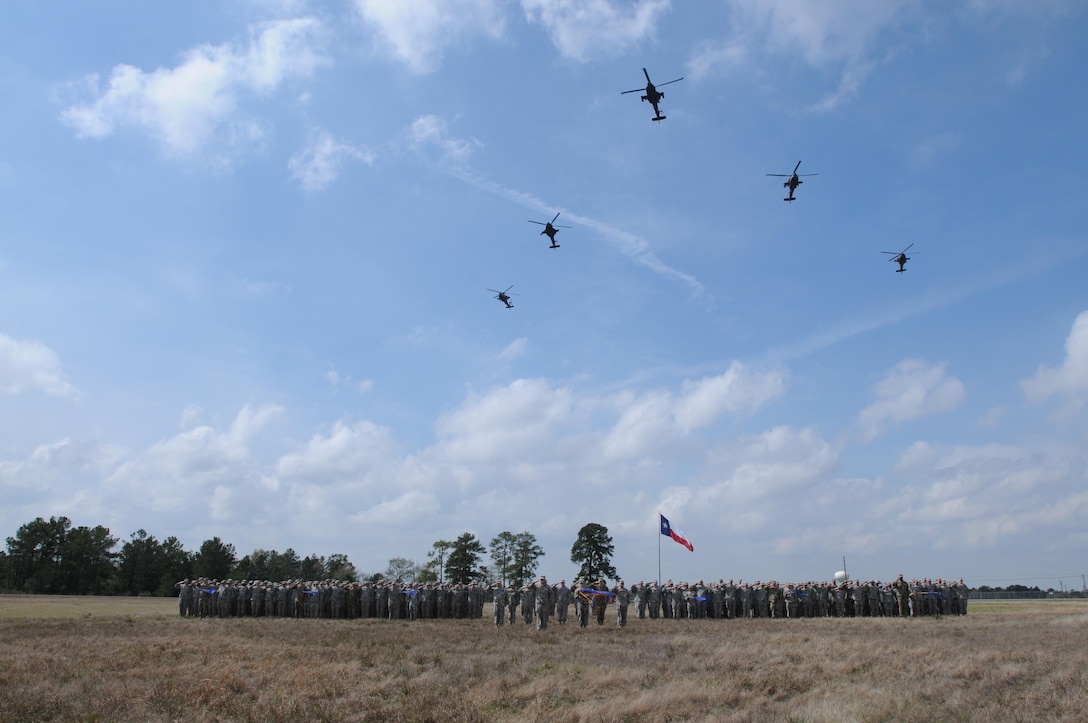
539, 601
727, 600
328, 599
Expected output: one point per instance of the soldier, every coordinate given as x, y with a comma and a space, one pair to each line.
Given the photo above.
582, 603
513, 598
963, 593
623, 599
540, 594
562, 602
498, 598
902, 593
600, 602
654, 601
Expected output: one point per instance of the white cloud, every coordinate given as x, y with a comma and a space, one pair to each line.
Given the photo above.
514, 349
195, 105
430, 131
831, 33
200, 457
1071, 378
401, 510
912, 389
584, 29
651, 422
348, 453
417, 32
989, 493
31, 365
321, 161
521, 419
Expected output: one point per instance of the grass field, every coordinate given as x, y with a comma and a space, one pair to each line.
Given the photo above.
133, 659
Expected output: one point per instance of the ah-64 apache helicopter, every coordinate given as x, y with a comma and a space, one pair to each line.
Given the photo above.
794, 182
900, 258
504, 296
550, 230
652, 94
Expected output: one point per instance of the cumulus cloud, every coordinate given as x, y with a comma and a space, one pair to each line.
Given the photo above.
911, 389
520, 419
195, 105
417, 32
28, 364
348, 452
655, 419
988, 493
321, 161
583, 29
172, 470
1071, 378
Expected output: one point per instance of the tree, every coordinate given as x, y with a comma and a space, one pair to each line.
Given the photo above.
516, 557
464, 559
87, 561
35, 555
438, 553
527, 556
312, 568
177, 564
215, 560
502, 554
593, 552
339, 567
401, 569
140, 565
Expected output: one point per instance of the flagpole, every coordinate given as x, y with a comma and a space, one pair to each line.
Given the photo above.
659, 549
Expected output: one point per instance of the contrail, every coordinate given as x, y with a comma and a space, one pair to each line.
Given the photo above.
633, 247
872, 320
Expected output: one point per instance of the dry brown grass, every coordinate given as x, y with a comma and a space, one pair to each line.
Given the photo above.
1006, 661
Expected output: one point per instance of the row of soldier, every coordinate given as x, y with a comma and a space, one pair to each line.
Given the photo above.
726, 599
540, 601
328, 599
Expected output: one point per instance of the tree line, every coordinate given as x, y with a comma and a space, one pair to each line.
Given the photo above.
52, 557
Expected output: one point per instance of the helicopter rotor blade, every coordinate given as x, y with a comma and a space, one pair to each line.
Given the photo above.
647, 76
555, 217
669, 83
806, 175
907, 248
636, 90
796, 167
561, 226
508, 288
539, 223
780, 175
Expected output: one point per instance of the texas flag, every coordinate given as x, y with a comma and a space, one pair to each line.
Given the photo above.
668, 531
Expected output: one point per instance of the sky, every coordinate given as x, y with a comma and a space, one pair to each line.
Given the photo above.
247, 252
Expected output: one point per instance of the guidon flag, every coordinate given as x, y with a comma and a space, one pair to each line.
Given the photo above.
669, 531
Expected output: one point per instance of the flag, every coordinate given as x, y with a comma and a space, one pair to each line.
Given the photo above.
668, 531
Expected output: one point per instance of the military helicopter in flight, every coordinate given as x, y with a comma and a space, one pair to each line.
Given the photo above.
652, 94
504, 296
794, 182
550, 230
900, 258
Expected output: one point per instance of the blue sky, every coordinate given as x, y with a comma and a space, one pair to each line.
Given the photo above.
245, 250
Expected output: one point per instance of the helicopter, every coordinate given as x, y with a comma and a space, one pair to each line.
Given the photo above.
652, 95
900, 258
504, 296
794, 182
550, 230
